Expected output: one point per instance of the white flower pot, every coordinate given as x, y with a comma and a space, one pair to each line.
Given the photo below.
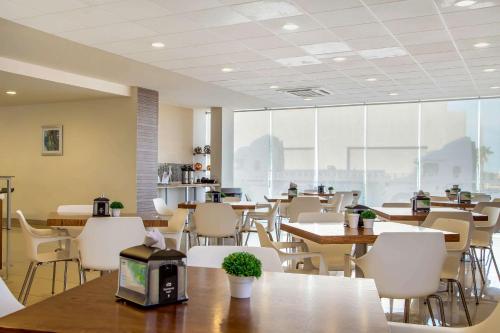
240, 286
353, 220
115, 212
368, 223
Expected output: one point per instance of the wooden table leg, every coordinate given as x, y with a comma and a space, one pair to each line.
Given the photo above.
359, 251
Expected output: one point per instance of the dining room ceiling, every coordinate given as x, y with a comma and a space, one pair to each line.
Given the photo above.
360, 51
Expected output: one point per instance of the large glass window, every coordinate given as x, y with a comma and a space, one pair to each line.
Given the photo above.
391, 152
449, 137
489, 155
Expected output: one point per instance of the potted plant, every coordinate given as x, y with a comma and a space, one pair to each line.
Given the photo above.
368, 217
330, 189
116, 206
242, 268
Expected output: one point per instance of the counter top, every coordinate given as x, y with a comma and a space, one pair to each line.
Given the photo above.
180, 185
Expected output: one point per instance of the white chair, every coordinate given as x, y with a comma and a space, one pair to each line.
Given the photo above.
33, 239
215, 220
455, 250
231, 199
334, 203
496, 200
8, 303
334, 254
489, 325
303, 205
347, 199
480, 197
175, 227
213, 256
305, 255
161, 207
482, 235
75, 209
270, 218
102, 240
412, 271
482, 205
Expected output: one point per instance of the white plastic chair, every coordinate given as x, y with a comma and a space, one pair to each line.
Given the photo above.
213, 256
175, 227
75, 209
8, 303
496, 200
305, 255
161, 207
482, 236
412, 271
102, 240
303, 204
480, 197
33, 239
334, 203
489, 325
269, 217
334, 254
347, 199
231, 199
215, 220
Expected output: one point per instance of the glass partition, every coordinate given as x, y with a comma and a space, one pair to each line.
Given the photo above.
489, 156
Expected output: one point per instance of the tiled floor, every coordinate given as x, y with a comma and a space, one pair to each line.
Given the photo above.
41, 288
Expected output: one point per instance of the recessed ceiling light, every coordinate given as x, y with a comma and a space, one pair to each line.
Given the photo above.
495, 87
308, 99
393, 94
158, 45
481, 45
464, 3
298, 61
227, 69
10, 92
489, 70
339, 59
273, 87
290, 26
324, 48
371, 79
387, 52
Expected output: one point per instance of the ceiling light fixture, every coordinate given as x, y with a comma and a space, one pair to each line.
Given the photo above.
227, 70
464, 3
495, 87
307, 99
10, 92
371, 79
273, 87
339, 59
489, 70
393, 94
158, 45
481, 45
290, 27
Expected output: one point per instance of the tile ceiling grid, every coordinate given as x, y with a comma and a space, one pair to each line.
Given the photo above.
437, 37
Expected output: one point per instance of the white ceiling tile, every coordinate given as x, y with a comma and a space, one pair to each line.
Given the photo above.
310, 37
393, 61
298, 61
474, 31
315, 6
303, 22
12, 10
283, 52
109, 33
415, 24
216, 17
241, 31
472, 17
389, 52
431, 48
351, 16
404, 9
423, 37
256, 65
181, 6
437, 57
50, 6
265, 43
134, 10
360, 31
170, 24
265, 10
324, 48
373, 43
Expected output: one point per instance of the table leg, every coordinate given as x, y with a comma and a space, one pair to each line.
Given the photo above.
1, 236
186, 194
9, 204
359, 251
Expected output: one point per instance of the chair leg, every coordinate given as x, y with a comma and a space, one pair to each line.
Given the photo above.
474, 282
53, 277
464, 302
407, 311
441, 308
248, 236
480, 268
65, 279
79, 266
32, 277
270, 236
494, 262
391, 307
28, 273
428, 301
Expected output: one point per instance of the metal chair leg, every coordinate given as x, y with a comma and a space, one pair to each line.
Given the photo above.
480, 268
32, 277
28, 273
464, 302
441, 308
65, 279
391, 307
428, 301
474, 282
53, 277
494, 262
407, 311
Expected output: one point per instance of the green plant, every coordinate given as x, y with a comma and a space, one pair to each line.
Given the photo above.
368, 215
116, 205
242, 264
330, 188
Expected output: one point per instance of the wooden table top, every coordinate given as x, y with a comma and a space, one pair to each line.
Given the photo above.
235, 204
285, 199
317, 194
453, 204
406, 214
79, 220
336, 233
280, 302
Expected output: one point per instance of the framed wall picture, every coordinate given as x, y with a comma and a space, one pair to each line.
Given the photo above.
52, 140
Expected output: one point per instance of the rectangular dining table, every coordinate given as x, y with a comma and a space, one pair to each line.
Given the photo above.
79, 220
453, 204
237, 205
406, 214
280, 302
286, 199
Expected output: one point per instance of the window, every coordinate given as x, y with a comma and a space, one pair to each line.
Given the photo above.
489, 156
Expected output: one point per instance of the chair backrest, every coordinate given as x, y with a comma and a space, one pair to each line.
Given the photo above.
493, 222
461, 227
213, 256
347, 199
438, 198
29, 235
231, 199
303, 205
482, 205
161, 207
177, 222
215, 220
480, 197
103, 238
320, 217
412, 271
8, 303
396, 204
336, 202
496, 200
264, 237
75, 209
273, 215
